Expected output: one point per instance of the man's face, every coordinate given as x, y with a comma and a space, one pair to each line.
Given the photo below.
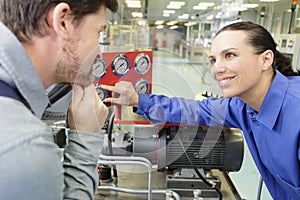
79, 53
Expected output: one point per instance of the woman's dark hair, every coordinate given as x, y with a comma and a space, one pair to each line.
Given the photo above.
29, 17
261, 40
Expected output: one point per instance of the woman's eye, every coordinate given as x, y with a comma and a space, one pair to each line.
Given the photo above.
229, 55
212, 61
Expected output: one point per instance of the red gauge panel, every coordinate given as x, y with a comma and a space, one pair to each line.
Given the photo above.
116, 65
135, 67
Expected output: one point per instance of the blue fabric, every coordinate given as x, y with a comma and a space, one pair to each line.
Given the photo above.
272, 134
7, 91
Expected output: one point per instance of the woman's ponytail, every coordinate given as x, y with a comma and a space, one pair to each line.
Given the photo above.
283, 64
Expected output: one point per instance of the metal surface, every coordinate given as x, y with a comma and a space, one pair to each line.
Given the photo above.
185, 182
133, 182
133, 178
208, 148
129, 160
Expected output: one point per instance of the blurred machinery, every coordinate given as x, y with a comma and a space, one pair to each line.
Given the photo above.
289, 45
185, 155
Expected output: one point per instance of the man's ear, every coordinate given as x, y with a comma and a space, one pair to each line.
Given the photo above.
60, 20
267, 59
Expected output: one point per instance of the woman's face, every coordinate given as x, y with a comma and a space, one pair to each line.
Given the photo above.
235, 66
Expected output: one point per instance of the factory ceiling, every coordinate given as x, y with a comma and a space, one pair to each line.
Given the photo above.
190, 10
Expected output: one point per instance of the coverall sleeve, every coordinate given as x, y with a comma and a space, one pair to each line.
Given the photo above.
160, 109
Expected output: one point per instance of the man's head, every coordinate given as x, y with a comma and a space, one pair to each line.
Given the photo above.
61, 37
29, 17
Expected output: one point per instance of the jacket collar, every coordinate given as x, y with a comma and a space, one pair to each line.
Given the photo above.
273, 101
18, 71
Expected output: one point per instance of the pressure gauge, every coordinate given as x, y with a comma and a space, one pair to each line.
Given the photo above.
142, 63
99, 67
120, 65
142, 86
102, 93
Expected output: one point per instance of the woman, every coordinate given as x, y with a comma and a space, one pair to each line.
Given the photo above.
261, 97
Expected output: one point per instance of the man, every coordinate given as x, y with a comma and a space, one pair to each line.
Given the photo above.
43, 42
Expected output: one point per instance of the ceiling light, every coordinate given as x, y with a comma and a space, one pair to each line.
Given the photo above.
166, 15
160, 26
134, 5
210, 17
238, 9
268, 0
132, 1
142, 23
250, 5
159, 22
137, 14
174, 27
173, 7
171, 23
200, 7
184, 16
177, 3
190, 23
207, 4
169, 11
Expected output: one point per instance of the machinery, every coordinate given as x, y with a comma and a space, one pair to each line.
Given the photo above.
289, 45
184, 155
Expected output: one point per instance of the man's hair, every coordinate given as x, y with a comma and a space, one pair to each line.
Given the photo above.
29, 17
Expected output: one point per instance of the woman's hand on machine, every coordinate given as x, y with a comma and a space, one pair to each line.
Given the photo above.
123, 93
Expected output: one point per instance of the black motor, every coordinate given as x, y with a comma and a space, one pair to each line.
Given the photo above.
207, 147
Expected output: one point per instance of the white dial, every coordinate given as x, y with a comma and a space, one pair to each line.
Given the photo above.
121, 65
102, 93
142, 86
142, 63
99, 68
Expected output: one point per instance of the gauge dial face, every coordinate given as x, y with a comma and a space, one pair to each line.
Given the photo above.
120, 65
142, 86
99, 68
102, 93
142, 63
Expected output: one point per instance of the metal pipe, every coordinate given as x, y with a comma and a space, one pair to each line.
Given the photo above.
122, 160
129, 191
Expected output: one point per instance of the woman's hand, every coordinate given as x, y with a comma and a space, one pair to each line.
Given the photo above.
123, 93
